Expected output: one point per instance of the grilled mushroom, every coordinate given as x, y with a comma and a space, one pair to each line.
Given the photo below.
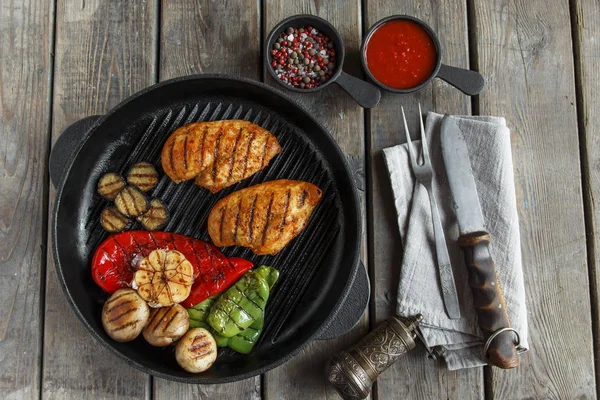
132, 202
166, 325
164, 278
113, 221
143, 175
124, 315
110, 185
156, 217
196, 351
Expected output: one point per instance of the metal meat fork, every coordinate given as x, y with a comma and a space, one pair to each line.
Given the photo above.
424, 173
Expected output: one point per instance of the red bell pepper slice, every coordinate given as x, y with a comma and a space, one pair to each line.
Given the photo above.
117, 258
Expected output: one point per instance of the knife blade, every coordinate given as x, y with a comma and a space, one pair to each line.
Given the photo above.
474, 239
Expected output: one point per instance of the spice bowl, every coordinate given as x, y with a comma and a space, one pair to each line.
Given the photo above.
364, 93
394, 42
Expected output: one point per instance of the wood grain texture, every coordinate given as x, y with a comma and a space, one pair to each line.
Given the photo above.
209, 37
105, 51
414, 376
585, 16
25, 69
202, 36
303, 377
524, 48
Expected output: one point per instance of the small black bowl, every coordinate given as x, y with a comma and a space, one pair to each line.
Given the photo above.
365, 94
467, 81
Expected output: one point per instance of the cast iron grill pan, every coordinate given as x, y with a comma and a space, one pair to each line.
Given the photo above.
190, 205
315, 268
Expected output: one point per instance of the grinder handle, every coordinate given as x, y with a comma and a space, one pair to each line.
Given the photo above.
488, 299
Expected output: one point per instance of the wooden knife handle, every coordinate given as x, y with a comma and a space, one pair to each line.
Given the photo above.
488, 299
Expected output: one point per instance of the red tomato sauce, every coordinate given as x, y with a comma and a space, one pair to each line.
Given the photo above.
401, 54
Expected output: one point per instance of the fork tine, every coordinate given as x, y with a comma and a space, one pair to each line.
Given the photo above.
424, 148
411, 153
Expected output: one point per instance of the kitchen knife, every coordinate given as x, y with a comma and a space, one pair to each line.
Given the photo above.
474, 240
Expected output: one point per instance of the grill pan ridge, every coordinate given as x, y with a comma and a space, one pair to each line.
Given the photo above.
309, 265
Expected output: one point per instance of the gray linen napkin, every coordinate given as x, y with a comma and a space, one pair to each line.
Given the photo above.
488, 141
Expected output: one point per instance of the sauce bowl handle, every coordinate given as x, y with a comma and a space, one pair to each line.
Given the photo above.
364, 93
467, 81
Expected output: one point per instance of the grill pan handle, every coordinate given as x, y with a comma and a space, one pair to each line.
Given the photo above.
353, 308
66, 146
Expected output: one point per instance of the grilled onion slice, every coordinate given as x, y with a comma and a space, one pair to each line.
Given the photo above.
164, 278
110, 185
143, 175
196, 351
156, 217
131, 202
124, 315
113, 221
166, 325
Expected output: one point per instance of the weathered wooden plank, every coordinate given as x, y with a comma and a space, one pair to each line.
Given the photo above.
414, 376
105, 51
524, 48
25, 76
303, 376
585, 16
202, 37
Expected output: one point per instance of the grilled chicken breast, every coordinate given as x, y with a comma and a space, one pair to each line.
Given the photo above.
218, 154
263, 217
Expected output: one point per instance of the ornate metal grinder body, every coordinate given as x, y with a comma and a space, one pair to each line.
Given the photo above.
352, 372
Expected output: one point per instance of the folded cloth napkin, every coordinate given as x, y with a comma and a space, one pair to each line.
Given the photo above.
488, 141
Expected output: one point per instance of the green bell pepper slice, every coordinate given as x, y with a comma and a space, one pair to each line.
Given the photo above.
269, 274
244, 341
240, 305
199, 313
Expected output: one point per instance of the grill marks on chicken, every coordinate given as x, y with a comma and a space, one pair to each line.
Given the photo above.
218, 154
264, 217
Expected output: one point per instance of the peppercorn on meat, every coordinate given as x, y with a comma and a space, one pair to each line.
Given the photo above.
218, 154
264, 217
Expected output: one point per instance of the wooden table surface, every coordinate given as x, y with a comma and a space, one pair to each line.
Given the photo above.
66, 59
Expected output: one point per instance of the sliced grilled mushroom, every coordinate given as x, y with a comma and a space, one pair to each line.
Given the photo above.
124, 315
113, 221
196, 351
110, 185
166, 325
132, 202
156, 217
143, 175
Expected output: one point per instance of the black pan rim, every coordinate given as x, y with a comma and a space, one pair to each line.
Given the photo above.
232, 378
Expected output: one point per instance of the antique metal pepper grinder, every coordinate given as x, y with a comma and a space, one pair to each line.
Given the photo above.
352, 372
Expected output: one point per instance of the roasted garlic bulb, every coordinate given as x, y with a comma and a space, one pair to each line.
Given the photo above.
164, 278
